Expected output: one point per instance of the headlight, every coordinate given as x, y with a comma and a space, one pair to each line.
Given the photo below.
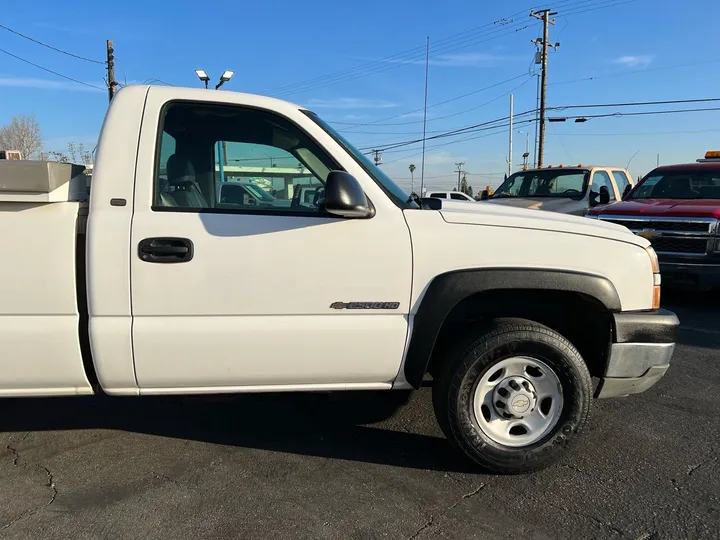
655, 265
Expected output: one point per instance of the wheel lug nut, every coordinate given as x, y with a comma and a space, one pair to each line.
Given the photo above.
515, 386
499, 404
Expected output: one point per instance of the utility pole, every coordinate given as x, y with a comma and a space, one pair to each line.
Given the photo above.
427, 71
526, 155
543, 15
377, 156
510, 141
112, 83
459, 165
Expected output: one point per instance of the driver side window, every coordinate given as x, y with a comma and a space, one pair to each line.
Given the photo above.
225, 159
601, 182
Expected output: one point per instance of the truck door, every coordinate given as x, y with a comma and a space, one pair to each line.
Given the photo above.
252, 292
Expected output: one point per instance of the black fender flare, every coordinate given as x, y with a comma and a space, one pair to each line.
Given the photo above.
445, 291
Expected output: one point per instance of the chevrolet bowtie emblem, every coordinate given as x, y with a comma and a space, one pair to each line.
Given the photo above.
648, 233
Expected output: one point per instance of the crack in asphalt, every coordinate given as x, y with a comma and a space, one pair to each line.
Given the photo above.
591, 518
693, 468
15, 453
433, 518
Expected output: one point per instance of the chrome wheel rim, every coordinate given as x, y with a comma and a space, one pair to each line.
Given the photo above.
518, 401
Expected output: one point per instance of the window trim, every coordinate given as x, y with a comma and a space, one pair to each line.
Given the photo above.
322, 213
612, 184
403, 205
613, 172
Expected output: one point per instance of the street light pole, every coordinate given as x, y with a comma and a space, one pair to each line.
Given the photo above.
221, 151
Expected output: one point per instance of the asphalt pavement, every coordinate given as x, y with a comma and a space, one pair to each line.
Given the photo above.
316, 466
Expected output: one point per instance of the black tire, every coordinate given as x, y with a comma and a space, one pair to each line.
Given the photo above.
503, 338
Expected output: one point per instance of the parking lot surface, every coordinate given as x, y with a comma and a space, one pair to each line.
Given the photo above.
314, 466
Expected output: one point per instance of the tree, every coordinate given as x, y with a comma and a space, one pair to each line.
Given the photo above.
23, 134
77, 153
464, 187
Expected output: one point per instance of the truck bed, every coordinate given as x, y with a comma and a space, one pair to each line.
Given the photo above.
40, 316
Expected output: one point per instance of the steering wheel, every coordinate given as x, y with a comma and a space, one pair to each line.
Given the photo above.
571, 190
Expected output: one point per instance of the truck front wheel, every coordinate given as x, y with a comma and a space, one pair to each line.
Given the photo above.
515, 398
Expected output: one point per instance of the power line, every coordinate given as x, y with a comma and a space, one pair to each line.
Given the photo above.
460, 131
446, 45
51, 47
635, 133
51, 71
394, 64
494, 123
642, 113
377, 122
663, 68
633, 103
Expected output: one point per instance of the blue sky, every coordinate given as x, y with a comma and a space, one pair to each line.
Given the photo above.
631, 51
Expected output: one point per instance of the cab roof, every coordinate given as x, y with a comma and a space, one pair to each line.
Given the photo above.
697, 166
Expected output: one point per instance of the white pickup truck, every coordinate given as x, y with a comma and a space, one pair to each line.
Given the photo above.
145, 283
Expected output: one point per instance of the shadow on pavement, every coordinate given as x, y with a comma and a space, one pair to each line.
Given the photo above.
305, 424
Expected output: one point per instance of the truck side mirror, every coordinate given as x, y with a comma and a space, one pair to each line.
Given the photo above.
484, 195
627, 190
344, 196
604, 195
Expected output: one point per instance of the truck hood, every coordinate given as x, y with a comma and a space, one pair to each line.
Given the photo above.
551, 204
500, 215
663, 208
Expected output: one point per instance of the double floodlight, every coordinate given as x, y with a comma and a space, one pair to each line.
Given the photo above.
204, 77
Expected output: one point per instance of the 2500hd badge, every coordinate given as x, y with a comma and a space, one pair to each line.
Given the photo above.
365, 305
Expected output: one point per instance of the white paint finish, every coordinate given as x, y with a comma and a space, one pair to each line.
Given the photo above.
112, 354
197, 323
38, 307
108, 240
74, 190
266, 388
37, 276
41, 356
257, 351
515, 245
523, 218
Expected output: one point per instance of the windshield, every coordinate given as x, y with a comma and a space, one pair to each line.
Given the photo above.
679, 185
544, 183
395, 192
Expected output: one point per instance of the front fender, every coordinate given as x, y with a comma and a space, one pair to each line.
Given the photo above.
446, 290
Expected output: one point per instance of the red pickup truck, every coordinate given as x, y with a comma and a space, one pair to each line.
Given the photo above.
677, 208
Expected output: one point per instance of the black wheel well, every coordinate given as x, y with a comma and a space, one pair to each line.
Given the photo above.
578, 317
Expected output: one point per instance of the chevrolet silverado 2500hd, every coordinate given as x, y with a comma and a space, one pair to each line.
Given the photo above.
145, 281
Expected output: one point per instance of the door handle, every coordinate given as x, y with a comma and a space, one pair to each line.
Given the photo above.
165, 250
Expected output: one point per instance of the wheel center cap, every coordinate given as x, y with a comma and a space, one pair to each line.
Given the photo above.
514, 397
520, 403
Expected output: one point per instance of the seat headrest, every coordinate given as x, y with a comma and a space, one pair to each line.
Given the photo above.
179, 170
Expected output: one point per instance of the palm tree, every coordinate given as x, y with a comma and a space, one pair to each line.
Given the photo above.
412, 177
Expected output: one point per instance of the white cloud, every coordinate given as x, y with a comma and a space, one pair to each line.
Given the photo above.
350, 103
45, 84
643, 60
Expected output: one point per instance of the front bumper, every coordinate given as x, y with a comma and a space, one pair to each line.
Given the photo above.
643, 345
698, 276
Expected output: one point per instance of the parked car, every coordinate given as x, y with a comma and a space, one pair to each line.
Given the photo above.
154, 286
452, 195
568, 190
677, 208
